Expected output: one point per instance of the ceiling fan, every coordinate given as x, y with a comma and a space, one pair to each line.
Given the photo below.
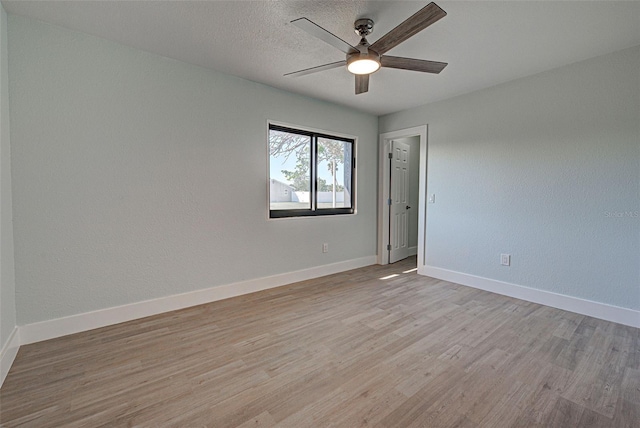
365, 59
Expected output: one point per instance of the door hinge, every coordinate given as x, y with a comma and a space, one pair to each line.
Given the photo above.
389, 201
388, 247
390, 155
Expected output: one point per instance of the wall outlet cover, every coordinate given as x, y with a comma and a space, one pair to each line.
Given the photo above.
505, 259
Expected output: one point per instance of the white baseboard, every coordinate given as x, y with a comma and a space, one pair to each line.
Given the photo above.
8, 353
58, 327
413, 251
568, 303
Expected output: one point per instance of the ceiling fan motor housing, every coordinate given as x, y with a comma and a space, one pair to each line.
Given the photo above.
363, 27
364, 53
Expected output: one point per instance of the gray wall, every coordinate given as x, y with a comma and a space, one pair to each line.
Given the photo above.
543, 168
7, 278
123, 163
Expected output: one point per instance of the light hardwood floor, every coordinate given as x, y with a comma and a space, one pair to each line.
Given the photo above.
345, 350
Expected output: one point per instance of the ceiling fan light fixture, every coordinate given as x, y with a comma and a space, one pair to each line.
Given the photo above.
363, 64
365, 59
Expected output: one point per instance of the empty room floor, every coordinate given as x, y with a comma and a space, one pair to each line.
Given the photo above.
377, 346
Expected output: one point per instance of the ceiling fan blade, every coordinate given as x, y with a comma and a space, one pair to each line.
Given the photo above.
327, 37
362, 83
412, 64
316, 69
413, 25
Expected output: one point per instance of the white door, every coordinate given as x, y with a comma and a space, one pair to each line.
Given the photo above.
399, 198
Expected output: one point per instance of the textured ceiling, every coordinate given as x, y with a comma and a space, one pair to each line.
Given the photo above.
485, 43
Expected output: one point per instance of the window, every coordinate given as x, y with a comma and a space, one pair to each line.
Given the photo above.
310, 173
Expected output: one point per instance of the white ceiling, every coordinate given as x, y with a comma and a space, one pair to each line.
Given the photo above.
484, 42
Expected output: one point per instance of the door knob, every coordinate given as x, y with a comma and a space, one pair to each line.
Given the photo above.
408, 207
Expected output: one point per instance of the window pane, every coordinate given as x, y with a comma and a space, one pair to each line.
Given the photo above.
290, 171
334, 173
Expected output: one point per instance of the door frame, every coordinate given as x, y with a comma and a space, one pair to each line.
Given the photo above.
384, 191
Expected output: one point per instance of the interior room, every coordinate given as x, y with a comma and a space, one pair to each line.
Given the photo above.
302, 213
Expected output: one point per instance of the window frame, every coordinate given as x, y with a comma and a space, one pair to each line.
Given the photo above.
313, 211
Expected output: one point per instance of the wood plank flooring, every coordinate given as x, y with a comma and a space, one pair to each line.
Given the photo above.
345, 350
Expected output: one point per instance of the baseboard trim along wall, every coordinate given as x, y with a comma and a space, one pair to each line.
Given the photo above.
8, 354
58, 327
602, 311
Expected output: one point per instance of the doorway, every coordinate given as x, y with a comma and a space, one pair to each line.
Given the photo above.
403, 198
402, 190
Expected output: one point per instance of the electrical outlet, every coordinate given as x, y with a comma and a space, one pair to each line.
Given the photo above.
505, 259
325, 247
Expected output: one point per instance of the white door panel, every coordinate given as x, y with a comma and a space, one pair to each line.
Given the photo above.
398, 211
